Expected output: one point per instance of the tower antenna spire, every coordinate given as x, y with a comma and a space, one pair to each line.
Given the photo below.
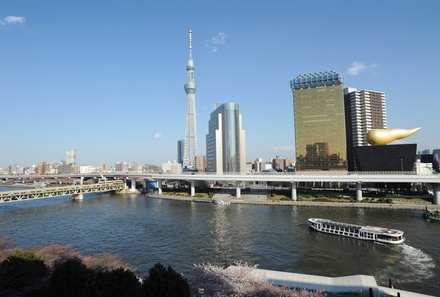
190, 43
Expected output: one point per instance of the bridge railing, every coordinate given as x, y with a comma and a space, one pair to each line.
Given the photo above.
323, 172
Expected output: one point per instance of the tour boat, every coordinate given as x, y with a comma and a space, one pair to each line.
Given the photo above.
432, 215
219, 201
377, 234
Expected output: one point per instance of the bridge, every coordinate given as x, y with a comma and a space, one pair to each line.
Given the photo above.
76, 191
357, 178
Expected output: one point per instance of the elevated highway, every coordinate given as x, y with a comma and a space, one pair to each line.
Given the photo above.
294, 178
357, 178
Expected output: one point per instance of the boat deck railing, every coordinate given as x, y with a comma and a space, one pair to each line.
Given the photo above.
338, 224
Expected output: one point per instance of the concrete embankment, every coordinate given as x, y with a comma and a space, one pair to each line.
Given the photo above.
248, 199
354, 284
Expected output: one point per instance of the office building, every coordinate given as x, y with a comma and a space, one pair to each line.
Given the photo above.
225, 142
364, 110
148, 168
121, 167
46, 168
134, 167
190, 146
65, 169
320, 134
15, 169
172, 168
425, 152
200, 163
436, 153
71, 157
180, 150
281, 164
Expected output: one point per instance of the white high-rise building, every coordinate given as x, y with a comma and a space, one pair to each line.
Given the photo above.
366, 111
190, 145
71, 157
225, 142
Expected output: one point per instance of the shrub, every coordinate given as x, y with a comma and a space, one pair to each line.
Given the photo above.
104, 262
69, 279
54, 253
21, 270
115, 283
165, 282
200, 195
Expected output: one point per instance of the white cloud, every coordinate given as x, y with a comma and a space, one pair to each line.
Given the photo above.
357, 68
157, 135
11, 20
283, 148
215, 42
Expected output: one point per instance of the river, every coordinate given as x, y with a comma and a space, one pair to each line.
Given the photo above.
144, 231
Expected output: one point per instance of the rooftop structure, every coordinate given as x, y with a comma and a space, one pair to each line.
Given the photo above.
313, 80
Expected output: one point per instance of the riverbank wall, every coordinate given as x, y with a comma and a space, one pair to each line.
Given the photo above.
259, 201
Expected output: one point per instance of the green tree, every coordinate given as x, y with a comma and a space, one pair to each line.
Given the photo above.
165, 282
115, 283
21, 270
70, 279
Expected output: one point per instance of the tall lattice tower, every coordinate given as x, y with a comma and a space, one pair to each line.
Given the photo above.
190, 146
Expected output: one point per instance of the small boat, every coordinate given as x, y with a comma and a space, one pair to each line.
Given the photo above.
432, 215
219, 201
377, 234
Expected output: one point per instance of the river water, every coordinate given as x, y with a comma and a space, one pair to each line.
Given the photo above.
144, 231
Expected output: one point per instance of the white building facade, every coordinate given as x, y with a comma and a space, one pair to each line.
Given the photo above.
71, 157
172, 168
367, 111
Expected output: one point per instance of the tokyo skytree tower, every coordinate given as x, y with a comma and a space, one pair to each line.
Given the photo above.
190, 146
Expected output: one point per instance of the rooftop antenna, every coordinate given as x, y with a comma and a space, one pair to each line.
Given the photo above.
190, 43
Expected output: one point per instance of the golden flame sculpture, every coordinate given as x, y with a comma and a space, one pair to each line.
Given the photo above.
385, 136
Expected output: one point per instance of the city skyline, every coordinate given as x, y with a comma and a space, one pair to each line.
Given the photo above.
110, 85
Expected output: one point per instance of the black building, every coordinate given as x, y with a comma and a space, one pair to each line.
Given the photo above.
397, 157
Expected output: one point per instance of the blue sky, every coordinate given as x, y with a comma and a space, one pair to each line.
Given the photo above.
106, 77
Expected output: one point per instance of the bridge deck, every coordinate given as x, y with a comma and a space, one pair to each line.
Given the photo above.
23, 195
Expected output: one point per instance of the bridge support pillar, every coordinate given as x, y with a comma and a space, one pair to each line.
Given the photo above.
133, 186
144, 185
359, 191
237, 189
159, 187
294, 198
193, 188
436, 192
79, 196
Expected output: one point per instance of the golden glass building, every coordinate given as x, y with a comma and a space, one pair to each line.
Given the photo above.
320, 134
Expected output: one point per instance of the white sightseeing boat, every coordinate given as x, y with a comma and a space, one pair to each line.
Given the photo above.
378, 234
